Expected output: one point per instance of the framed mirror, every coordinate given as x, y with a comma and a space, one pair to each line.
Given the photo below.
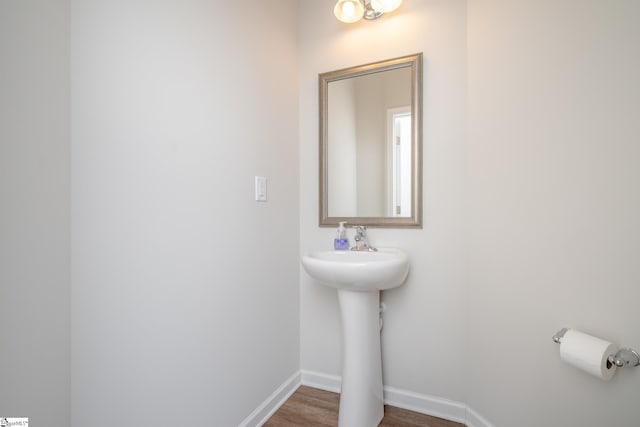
371, 144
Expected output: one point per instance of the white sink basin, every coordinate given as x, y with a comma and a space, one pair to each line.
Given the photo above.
358, 270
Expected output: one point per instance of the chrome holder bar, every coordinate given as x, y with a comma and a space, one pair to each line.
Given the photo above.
625, 358
557, 338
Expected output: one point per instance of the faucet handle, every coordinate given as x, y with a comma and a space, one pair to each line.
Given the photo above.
360, 229
362, 242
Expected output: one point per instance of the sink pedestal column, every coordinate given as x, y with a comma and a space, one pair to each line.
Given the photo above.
361, 398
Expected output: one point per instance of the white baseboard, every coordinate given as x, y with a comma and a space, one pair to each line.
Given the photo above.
422, 403
322, 381
425, 404
476, 420
273, 402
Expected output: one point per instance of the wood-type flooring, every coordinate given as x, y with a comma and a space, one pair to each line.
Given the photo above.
312, 407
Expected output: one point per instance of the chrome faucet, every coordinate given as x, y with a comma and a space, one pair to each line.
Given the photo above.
362, 242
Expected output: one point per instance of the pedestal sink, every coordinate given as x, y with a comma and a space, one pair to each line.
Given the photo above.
359, 277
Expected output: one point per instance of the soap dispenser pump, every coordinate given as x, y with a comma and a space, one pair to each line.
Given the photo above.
341, 243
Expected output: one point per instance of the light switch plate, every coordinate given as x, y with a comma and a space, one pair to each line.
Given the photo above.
261, 189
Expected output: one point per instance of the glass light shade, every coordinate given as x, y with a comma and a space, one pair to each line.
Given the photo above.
348, 11
385, 6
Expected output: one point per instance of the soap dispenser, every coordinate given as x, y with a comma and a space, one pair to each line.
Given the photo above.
341, 243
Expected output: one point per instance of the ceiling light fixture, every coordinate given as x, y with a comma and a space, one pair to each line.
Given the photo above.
351, 11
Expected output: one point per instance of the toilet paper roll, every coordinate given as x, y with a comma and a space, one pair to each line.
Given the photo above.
588, 353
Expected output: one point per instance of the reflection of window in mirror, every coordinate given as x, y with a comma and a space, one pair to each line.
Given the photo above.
399, 161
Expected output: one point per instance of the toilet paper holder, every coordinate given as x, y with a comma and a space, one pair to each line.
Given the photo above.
625, 357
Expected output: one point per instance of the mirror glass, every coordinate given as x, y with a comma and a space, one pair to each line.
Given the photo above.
370, 144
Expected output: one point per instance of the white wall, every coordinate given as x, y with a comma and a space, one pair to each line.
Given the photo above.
34, 211
554, 205
184, 289
423, 337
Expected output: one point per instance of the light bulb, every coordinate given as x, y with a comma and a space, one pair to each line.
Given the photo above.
348, 8
348, 11
385, 6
